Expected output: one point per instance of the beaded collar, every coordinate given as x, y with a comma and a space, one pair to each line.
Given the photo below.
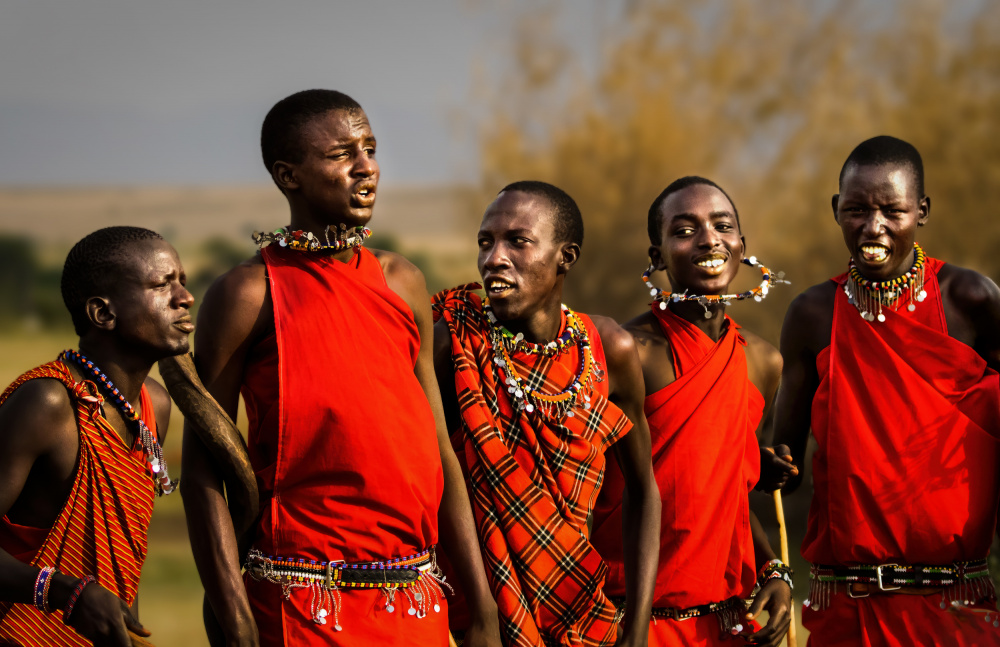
305, 241
869, 296
769, 279
151, 449
552, 405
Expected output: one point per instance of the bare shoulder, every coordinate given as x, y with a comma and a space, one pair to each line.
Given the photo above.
619, 346
402, 276
809, 318
161, 403
645, 330
243, 286
762, 353
967, 289
38, 414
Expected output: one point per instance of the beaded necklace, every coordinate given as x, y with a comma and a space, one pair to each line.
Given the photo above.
306, 241
552, 405
151, 449
769, 279
869, 296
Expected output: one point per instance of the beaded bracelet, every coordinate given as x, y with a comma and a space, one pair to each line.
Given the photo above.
42, 584
775, 570
75, 596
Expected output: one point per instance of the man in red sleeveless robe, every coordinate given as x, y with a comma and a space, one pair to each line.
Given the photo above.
893, 367
534, 394
330, 345
709, 384
79, 464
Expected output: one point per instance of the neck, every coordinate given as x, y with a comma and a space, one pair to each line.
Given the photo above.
539, 328
693, 312
124, 369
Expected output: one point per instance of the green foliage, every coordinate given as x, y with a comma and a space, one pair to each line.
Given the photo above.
29, 291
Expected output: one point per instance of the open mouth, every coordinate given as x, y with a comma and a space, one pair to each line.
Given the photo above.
712, 263
365, 195
498, 287
874, 253
185, 325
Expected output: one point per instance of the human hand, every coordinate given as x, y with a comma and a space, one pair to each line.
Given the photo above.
103, 618
776, 597
776, 468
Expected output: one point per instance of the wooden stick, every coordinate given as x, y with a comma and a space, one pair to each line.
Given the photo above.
451, 640
779, 510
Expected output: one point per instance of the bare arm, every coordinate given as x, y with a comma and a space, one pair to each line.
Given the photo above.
641, 497
456, 527
38, 433
806, 331
232, 317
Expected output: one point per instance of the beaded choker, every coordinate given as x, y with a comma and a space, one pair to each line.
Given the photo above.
769, 279
305, 241
869, 296
552, 405
151, 449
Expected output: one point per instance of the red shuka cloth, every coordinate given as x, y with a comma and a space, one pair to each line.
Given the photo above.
706, 460
101, 529
906, 419
533, 481
343, 442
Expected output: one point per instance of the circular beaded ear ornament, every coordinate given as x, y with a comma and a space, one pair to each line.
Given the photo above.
769, 279
306, 241
869, 296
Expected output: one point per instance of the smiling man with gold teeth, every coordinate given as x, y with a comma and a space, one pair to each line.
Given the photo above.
893, 365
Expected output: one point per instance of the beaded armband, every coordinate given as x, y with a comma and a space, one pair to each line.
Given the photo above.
74, 597
42, 584
773, 570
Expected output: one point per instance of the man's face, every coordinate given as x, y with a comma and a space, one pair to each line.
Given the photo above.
150, 302
338, 173
701, 247
519, 259
879, 209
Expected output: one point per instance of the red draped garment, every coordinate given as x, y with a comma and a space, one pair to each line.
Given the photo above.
533, 481
906, 419
344, 445
706, 460
101, 529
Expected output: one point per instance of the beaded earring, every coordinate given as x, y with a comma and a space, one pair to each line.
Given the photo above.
769, 279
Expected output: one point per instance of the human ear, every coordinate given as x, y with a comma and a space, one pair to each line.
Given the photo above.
284, 175
101, 313
569, 254
925, 211
656, 259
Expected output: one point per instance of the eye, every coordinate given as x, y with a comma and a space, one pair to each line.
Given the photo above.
683, 231
483, 243
371, 151
724, 226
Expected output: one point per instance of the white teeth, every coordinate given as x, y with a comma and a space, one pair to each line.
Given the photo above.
877, 251
713, 262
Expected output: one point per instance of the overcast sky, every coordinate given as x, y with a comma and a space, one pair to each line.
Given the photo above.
173, 92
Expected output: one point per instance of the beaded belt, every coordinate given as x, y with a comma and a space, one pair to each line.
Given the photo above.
417, 576
728, 610
962, 581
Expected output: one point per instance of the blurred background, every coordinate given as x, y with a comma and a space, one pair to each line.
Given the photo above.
117, 112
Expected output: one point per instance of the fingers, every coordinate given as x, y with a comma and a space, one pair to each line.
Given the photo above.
774, 631
758, 605
783, 451
139, 641
131, 624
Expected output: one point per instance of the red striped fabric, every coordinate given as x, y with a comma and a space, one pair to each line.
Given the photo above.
101, 529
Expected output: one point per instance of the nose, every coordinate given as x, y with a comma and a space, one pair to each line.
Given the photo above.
875, 223
495, 257
708, 238
365, 165
184, 298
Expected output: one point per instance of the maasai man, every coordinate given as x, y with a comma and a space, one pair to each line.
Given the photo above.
80, 447
535, 393
330, 345
709, 385
893, 367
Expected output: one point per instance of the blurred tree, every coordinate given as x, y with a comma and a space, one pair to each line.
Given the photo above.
765, 98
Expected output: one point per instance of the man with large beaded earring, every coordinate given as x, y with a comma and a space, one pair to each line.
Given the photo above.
709, 386
534, 394
893, 367
81, 456
329, 344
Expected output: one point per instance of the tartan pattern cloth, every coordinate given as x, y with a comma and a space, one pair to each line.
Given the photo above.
101, 529
533, 481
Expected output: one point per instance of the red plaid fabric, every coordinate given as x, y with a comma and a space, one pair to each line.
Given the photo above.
101, 530
533, 481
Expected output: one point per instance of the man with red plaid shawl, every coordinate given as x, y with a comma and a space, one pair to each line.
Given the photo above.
534, 394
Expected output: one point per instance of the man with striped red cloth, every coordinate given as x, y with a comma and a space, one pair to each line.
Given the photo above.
534, 395
79, 464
